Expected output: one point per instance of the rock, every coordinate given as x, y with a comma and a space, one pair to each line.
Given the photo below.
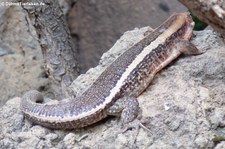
182, 108
4, 49
21, 61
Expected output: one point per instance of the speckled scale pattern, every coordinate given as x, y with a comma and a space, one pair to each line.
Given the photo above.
92, 105
151, 61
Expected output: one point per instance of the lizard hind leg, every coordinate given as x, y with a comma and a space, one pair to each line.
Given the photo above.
127, 108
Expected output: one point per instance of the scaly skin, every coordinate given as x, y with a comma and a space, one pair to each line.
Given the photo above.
126, 78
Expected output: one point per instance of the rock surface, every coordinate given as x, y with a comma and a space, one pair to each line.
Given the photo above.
21, 61
184, 106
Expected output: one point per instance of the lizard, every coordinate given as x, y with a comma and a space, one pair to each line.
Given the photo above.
116, 90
